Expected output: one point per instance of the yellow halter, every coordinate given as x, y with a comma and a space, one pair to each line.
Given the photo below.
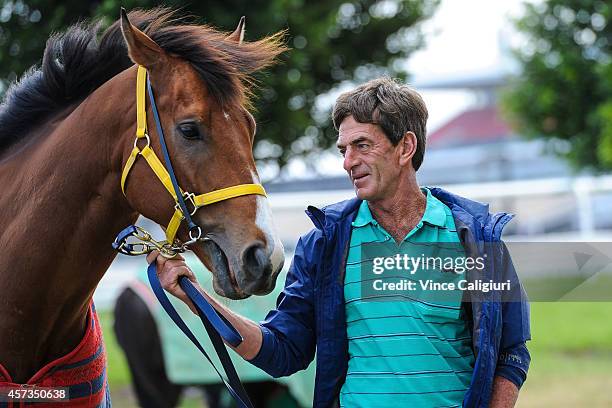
162, 174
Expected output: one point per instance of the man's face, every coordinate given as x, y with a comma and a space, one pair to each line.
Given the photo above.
370, 159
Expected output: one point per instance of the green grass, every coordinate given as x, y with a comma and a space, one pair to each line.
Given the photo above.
575, 288
571, 358
118, 372
571, 327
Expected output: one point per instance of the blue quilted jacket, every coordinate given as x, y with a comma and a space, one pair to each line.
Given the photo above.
310, 312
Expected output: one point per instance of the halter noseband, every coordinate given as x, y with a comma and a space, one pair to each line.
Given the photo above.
166, 174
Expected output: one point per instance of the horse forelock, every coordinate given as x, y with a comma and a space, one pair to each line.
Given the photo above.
83, 57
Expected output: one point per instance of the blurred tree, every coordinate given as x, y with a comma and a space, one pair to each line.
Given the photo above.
565, 90
332, 41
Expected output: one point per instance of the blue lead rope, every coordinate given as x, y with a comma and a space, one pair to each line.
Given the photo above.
216, 326
218, 322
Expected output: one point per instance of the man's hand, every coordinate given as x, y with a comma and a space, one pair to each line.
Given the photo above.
169, 270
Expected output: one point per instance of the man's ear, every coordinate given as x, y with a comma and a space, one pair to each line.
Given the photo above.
238, 34
408, 148
141, 49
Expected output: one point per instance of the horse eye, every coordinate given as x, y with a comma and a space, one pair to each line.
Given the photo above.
189, 131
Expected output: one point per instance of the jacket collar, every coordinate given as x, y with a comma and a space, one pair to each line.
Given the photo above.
476, 209
333, 213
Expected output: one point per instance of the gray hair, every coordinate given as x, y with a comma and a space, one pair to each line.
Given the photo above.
395, 107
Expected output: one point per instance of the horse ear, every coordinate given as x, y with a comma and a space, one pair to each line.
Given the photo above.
238, 34
141, 48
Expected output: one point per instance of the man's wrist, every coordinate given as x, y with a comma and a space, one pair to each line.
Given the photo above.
249, 330
252, 346
505, 393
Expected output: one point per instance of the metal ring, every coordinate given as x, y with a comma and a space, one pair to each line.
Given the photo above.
146, 135
168, 252
191, 237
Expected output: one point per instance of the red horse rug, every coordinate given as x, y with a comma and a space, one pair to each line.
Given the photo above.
77, 379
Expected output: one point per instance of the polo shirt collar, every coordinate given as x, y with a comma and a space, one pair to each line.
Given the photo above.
434, 210
364, 216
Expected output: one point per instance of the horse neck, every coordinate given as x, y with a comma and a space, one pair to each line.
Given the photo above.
63, 206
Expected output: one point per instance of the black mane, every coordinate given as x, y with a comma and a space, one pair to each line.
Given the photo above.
79, 60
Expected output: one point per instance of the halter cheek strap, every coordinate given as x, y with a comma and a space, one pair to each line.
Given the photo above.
166, 174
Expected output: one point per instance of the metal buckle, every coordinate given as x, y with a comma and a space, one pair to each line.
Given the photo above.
187, 197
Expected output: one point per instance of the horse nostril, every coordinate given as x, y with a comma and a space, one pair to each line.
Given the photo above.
255, 260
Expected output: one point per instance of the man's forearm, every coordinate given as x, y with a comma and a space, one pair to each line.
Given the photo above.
505, 393
249, 330
171, 270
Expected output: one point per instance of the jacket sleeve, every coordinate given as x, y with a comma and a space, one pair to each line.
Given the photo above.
289, 330
514, 359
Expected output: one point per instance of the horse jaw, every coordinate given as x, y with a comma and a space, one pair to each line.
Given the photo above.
211, 254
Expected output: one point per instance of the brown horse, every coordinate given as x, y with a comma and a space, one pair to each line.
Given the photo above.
66, 131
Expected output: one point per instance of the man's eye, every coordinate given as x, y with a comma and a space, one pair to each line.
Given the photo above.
343, 152
362, 146
189, 131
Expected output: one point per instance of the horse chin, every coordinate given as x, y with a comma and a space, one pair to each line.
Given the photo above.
224, 279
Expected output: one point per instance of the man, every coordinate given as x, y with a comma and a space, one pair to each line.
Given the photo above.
468, 351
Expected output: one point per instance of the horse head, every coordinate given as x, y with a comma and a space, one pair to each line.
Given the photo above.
200, 77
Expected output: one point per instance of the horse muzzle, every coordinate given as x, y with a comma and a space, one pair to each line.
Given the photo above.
253, 272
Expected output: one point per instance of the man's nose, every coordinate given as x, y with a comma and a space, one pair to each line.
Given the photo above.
350, 160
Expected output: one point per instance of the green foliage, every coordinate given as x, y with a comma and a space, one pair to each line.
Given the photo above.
565, 90
332, 41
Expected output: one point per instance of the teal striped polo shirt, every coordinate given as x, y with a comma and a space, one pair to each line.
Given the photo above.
407, 348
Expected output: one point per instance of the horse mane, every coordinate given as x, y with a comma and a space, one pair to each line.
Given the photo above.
83, 57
